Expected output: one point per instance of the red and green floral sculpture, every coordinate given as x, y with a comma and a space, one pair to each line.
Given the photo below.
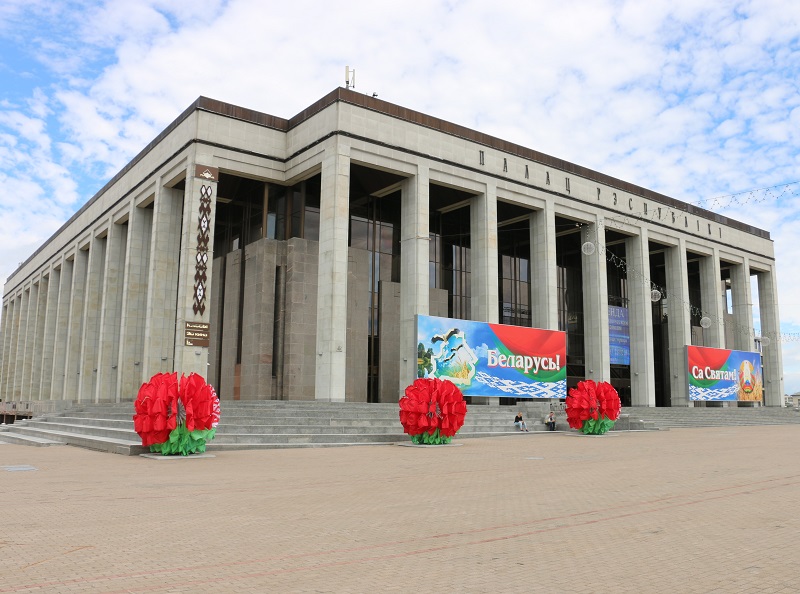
176, 418
432, 411
592, 407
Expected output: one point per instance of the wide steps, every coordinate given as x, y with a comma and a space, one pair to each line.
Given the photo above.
279, 424
17, 438
121, 442
296, 424
688, 417
269, 424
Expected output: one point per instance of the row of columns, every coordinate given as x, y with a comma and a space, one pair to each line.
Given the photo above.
414, 292
110, 312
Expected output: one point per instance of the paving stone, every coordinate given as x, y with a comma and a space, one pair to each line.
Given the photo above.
685, 510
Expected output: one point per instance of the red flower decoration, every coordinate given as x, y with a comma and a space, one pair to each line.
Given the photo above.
200, 402
157, 408
593, 406
430, 404
214, 407
608, 398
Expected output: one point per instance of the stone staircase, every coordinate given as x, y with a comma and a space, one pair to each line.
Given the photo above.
678, 417
291, 424
263, 425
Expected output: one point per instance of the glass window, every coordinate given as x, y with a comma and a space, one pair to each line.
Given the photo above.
386, 239
311, 224
506, 293
297, 211
277, 211
359, 230
386, 267
513, 253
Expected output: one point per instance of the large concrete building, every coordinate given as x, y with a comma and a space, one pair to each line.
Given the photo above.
287, 259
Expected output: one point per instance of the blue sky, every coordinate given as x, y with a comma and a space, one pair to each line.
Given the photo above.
697, 99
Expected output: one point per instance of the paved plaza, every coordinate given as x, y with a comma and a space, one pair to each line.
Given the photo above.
688, 510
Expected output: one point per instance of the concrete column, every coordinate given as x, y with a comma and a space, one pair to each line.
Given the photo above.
22, 341
29, 334
134, 304
194, 277
485, 301
484, 286
742, 298
37, 354
640, 319
228, 387
711, 296
49, 333
72, 366
595, 305
61, 342
9, 349
111, 314
11, 364
92, 308
17, 343
162, 289
331, 344
544, 280
679, 329
771, 356
414, 257
4, 348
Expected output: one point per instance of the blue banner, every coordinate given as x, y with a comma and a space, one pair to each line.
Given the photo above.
619, 335
493, 359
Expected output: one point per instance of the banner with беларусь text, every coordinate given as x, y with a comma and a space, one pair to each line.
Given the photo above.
499, 360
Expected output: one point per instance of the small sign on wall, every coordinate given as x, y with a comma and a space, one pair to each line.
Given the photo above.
207, 173
196, 334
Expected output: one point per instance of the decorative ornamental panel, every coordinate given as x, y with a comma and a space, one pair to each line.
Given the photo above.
201, 264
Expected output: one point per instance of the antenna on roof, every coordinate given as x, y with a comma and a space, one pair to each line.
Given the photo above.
349, 77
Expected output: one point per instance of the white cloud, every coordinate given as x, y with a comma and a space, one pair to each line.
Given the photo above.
692, 98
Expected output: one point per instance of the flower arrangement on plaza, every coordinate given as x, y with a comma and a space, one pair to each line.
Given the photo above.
592, 407
175, 417
432, 411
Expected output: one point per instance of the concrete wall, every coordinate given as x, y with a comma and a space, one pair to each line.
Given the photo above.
262, 262
357, 325
390, 345
301, 325
228, 380
280, 279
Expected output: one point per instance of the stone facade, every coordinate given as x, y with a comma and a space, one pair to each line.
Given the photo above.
245, 222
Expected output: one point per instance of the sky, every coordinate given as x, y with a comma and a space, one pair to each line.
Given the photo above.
696, 99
